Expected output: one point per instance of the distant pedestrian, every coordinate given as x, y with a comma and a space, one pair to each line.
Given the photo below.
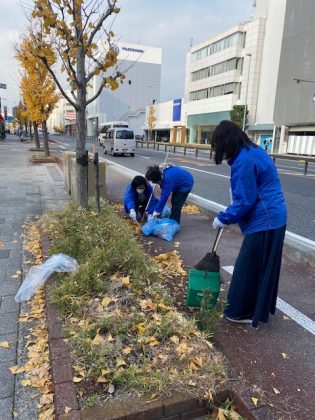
259, 207
172, 180
136, 198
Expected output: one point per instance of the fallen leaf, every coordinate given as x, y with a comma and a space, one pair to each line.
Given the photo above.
77, 379
285, 317
125, 281
255, 401
276, 391
15, 276
106, 301
101, 380
127, 350
67, 409
120, 362
285, 356
18, 272
5, 344
15, 413
111, 389
26, 382
175, 339
1, 244
191, 383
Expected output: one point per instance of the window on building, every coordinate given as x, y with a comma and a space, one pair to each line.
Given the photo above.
238, 38
220, 90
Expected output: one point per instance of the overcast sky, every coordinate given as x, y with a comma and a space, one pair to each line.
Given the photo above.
169, 24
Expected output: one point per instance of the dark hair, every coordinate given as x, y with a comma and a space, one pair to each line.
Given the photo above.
138, 181
227, 141
153, 174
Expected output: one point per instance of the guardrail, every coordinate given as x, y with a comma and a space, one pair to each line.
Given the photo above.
204, 147
174, 146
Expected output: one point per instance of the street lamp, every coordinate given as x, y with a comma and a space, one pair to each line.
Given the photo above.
245, 105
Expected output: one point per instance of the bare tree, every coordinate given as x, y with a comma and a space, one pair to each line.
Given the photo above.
81, 33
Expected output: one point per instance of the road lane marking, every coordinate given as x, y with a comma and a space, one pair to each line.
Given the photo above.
206, 172
144, 157
297, 316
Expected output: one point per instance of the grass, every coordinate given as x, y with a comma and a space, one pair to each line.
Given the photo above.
119, 316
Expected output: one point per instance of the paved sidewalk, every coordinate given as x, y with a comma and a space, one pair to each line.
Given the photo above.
26, 190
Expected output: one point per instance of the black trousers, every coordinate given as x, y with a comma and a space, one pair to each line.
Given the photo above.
178, 200
254, 285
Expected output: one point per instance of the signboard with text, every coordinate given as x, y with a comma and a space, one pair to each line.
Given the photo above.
3, 86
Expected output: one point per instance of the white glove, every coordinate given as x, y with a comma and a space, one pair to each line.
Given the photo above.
133, 214
155, 214
150, 216
217, 224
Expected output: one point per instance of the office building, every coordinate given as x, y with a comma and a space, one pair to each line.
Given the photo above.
141, 65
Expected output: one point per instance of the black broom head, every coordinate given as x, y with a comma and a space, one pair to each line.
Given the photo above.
210, 262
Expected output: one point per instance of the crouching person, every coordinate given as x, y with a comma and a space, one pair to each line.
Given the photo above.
172, 180
137, 196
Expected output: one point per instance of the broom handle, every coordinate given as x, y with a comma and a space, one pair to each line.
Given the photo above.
217, 240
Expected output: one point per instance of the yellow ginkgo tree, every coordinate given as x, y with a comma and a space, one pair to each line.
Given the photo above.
151, 121
37, 86
81, 33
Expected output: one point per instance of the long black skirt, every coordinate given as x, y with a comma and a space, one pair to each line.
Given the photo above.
254, 285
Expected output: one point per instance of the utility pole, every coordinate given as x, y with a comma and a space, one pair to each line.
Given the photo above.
245, 105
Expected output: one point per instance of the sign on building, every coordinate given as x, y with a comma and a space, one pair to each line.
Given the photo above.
3, 86
177, 109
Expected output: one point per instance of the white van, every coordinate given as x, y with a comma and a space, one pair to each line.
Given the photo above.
106, 126
119, 140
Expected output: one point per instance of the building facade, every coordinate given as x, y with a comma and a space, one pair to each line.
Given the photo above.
141, 65
222, 72
169, 124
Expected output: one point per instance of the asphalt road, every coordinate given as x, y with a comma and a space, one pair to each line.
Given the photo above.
212, 181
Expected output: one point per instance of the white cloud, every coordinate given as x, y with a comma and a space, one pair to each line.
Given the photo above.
169, 24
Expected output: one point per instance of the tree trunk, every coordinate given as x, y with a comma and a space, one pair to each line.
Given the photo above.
31, 132
37, 142
82, 164
45, 136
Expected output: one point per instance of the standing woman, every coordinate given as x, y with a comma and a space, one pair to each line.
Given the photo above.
258, 206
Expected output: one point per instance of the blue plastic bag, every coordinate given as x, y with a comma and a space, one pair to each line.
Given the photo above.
161, 228
147, 227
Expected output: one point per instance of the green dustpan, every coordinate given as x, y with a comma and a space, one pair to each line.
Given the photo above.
201, 281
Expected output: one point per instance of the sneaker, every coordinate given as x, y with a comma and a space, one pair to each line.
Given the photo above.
239, 321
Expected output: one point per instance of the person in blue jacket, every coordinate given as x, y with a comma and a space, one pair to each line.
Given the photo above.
172, 180
259, 207
136, 198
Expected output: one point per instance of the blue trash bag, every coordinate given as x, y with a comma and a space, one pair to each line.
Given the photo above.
147, 227
161, 228
166, 212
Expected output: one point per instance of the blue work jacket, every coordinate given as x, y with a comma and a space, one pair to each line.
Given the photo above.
258, 202
174, 179
131, 199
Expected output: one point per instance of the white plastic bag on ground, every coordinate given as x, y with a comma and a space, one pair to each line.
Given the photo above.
38, 274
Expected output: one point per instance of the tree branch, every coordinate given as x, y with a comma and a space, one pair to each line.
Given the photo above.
118, 74
100, 22
74, 104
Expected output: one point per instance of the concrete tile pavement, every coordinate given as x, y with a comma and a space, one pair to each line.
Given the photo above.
26, 190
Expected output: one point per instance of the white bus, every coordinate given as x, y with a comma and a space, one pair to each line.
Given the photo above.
106, 126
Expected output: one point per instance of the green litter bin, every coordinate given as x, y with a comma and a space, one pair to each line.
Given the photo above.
200, 281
